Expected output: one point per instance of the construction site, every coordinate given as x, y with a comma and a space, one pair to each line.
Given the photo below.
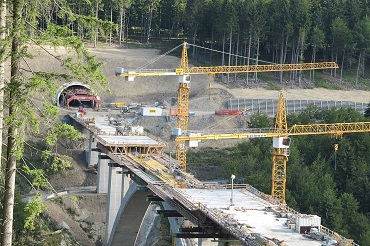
184, 118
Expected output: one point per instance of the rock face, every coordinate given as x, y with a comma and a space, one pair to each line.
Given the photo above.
82, 217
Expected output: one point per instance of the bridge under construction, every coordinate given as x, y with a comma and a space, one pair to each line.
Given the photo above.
211, 213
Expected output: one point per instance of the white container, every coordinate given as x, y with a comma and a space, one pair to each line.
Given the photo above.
304, 220
281, 142
193, 143
138, 130
150, 111
176, 132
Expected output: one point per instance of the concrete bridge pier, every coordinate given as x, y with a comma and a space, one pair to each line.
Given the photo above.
103, 173
118, 185
92, 152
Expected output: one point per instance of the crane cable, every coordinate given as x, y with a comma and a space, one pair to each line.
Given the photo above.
154, 60
227, 53
201, 47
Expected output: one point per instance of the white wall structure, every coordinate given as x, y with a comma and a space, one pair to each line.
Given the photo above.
150, 111
103, 174
92, 153
114, 197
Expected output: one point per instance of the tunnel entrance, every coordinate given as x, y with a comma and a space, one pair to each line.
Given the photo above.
77, 94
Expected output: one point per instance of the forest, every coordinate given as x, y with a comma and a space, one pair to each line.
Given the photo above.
279, 31
333, 185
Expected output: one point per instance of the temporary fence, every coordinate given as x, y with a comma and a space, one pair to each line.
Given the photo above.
269, 106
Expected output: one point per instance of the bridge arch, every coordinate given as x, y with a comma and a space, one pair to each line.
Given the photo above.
129, 217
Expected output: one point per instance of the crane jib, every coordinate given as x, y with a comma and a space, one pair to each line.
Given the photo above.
227, 69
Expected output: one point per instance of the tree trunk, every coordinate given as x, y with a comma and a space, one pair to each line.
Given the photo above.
160, 22
96, 29
336, 61
358, 68
211, 53
332, 57
245, 52
257, 57
313, 59
142, 33
230, 45
149, 24
249, 54
301, 56
363, 63
223, 50
291, 74
341, 68
194, 38
111, 20
281, 74
286, 48
11, 161
236, 57
2, 81
121, 31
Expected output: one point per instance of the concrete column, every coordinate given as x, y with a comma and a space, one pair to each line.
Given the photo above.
103, 173
114, 197
92, 154
126, 182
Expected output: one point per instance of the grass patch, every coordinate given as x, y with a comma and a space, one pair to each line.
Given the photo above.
273, 86
348, 76
365, 83
320, 82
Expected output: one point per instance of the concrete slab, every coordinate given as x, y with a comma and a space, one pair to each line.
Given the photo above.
250, 211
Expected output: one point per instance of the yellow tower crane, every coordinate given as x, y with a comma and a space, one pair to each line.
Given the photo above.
281, 141
184, 73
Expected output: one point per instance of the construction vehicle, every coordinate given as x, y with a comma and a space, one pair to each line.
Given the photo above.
119, 105
125, 110
184, 73
82, 110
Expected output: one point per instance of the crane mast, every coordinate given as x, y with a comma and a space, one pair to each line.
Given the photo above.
280, 152
183, 108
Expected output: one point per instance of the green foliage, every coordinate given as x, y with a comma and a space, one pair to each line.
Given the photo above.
55, 161
259, 120
33, 209
273, 86
37, 176
367, 111
319, 82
